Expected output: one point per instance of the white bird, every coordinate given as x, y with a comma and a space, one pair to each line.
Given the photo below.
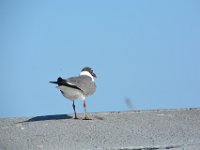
78, 87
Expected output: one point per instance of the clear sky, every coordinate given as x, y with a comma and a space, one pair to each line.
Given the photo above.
144, 51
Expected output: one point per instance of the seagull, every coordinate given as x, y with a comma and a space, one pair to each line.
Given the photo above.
78, 87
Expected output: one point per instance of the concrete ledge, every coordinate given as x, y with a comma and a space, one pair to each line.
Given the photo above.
135, 130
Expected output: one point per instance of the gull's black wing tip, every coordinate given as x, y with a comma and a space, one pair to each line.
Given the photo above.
59, 81
54, 82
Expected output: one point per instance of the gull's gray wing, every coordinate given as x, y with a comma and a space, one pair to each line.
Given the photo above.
84, 83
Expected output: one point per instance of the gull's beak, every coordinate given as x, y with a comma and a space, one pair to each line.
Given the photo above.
94, 75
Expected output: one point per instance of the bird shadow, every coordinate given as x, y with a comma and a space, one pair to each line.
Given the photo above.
48, 117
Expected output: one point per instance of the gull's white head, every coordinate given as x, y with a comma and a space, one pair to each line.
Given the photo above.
88, 72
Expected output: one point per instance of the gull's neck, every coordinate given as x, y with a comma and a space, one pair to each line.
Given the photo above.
86, 73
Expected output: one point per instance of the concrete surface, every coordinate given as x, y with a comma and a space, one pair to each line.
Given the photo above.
136, 130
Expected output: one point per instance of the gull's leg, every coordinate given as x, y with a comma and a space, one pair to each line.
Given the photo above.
85, 115
74, 107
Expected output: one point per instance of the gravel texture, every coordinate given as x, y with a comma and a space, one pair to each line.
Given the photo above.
177, 129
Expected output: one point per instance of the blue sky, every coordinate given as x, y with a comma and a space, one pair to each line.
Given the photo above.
146, 51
